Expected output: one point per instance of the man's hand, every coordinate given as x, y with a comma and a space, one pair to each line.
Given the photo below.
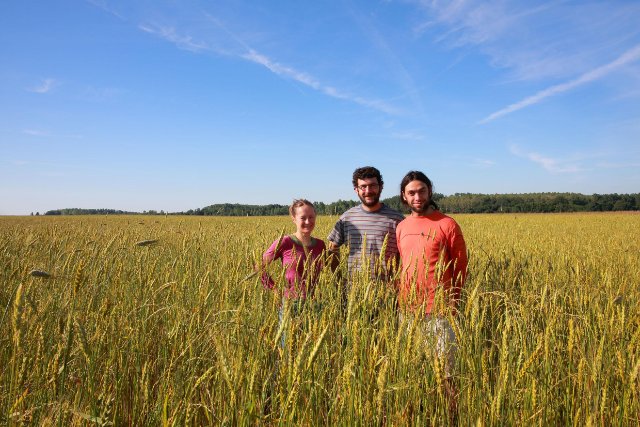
334, 255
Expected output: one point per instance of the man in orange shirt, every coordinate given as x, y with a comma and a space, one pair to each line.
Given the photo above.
434, 264
432, 249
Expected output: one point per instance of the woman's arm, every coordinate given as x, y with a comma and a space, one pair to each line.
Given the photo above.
274, 252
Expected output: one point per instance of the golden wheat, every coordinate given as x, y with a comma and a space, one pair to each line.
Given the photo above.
109, 331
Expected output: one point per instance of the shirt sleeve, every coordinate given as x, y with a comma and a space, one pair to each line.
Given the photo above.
337, 234
274, 252
399, 219
320, 253
458, 253
321, 247
398, 228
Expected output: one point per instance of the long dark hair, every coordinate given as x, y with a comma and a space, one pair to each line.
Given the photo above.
417, 176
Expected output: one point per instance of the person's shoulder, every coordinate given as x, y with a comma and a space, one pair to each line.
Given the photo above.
402, 224
447, 221
390, 212
286, 241
407, 221
446, 217
282, 243
387, 208
356, 210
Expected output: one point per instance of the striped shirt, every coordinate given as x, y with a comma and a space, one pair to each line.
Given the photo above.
366, 234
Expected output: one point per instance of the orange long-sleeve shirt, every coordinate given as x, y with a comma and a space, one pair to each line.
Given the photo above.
433, 253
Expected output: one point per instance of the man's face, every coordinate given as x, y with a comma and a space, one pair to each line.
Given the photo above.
417, 195
368, 191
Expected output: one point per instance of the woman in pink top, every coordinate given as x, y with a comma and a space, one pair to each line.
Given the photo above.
299, 252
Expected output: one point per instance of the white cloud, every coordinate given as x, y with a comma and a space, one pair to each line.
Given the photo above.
552, 165
408, 136
388, 57
170, 34
548, 163
242, 50
484, 163
102, 4
35, 132
549, 40
289, 72
45, 86
628, 57
42, 133
313, 83
620, 165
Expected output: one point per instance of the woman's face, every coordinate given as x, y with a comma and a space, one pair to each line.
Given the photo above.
305, 219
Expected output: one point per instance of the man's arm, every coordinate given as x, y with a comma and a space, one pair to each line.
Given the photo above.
334, 241
334, 255
459, 261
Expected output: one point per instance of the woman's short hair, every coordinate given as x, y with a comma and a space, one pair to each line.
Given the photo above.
297, 203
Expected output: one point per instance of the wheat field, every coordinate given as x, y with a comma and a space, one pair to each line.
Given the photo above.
154, 320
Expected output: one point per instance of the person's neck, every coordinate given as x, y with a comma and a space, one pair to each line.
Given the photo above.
371, 208
426, 212
304, 238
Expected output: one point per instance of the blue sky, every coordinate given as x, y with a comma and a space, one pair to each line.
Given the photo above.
173, 105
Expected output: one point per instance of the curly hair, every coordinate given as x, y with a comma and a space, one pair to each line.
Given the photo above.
367, 172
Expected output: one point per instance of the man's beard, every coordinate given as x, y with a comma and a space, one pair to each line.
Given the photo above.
422, 209
376, 200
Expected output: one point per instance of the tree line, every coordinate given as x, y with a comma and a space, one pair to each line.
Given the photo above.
456, 203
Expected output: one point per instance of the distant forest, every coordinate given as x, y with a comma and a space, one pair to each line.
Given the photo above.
457, 203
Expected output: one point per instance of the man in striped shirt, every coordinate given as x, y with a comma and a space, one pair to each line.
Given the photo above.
369, 229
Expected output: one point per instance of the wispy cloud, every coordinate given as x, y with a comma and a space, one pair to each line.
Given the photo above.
171, 35
389, 57
285, 71
408, 136
548, 40
47, 134
45, 86
307, 80
620, 165
35, 132
242, 50
628, 57
102, 4
484, 163
550, 164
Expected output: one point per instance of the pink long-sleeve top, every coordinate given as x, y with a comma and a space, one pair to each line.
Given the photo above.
302, 265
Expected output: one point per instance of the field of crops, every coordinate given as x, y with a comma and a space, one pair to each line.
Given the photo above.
178, 332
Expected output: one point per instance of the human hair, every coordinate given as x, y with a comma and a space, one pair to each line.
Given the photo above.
417, 176
297, 203
367, 172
